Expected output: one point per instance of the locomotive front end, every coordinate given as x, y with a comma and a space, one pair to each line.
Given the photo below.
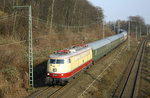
64, 65
58, 67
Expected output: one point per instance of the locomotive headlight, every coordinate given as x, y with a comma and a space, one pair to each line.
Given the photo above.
54, 70
48, 74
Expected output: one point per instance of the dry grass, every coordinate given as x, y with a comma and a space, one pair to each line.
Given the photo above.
12, 82
2, 13
145, 77
14, 58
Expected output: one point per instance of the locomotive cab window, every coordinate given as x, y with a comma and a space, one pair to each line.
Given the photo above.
60, 61
52, 61
69, 60
56, 61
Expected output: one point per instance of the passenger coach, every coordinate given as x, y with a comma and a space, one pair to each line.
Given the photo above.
102, 47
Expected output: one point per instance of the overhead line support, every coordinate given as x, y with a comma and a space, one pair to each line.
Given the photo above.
30, 58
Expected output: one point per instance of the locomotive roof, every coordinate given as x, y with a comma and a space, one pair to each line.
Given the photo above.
102, 42
77, 50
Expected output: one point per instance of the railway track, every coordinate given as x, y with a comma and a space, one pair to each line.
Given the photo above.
47, 92
129, 85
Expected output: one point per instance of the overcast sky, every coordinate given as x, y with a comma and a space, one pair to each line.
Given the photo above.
121, 9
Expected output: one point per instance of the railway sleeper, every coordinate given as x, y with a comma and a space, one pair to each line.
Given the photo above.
55, 81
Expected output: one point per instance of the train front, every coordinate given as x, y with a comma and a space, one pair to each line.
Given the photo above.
58, 67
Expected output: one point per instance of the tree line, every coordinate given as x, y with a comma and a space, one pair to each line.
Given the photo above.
136, 23
58, 13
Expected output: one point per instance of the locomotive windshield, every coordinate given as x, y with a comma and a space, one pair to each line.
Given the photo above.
56, 61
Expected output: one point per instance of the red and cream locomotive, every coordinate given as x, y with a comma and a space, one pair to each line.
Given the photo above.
65, 64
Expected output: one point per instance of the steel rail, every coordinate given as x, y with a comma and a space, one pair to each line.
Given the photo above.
137, 71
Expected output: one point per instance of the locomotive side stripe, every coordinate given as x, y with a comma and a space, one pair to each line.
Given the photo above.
69, 74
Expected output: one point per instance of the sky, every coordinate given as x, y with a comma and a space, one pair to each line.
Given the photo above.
122, 9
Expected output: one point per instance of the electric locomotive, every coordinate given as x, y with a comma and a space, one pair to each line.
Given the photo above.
65, 64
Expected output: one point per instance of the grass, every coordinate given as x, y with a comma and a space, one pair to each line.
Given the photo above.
2, 13
14, 57
145, 78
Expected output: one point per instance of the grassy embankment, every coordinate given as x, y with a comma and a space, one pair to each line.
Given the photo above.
144, 91
14, 57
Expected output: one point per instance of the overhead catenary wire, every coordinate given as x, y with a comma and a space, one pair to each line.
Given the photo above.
55, 24
42, 21
61, 25
22, 41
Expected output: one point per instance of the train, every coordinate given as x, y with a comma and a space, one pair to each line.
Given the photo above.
64, 65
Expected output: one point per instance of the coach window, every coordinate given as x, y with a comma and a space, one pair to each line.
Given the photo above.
95, 52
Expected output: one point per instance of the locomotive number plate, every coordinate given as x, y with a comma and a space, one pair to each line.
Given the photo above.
55, 75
